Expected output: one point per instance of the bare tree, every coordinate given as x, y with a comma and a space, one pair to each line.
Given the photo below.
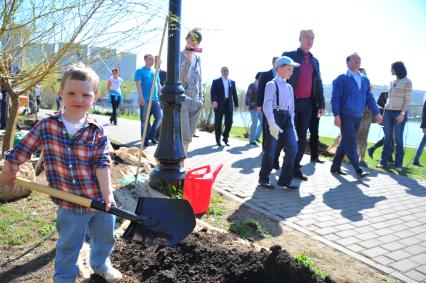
44, 36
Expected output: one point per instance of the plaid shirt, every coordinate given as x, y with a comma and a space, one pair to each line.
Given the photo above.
70, 162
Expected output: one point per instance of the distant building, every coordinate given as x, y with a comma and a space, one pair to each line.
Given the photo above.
127, 66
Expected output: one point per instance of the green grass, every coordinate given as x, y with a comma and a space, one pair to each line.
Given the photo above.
305, 260
25, 223
409, 169
135, 117
249, 229
216, 207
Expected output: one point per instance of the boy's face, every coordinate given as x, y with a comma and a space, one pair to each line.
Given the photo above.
78, 97
285, 71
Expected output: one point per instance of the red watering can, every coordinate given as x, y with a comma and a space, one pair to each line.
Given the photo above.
197, 187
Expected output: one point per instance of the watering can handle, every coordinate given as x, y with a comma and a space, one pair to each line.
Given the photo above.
199, 168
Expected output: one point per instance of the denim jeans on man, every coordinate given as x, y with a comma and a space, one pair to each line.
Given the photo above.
302, 120
349, 128
420, 149
288, 138
390, 127
256, 125
71, 227
157, 113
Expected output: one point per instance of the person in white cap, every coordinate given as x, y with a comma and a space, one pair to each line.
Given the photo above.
278, 107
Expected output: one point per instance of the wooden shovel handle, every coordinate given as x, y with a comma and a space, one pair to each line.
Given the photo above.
53, 192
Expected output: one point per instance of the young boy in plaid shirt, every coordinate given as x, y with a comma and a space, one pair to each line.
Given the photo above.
77, 160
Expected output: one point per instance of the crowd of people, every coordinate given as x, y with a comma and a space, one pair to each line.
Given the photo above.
353, 106
284, 103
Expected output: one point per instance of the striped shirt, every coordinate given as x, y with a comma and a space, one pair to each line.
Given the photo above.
70, 162
399, 95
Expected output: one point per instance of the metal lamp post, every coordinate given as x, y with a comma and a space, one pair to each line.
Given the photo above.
170, 150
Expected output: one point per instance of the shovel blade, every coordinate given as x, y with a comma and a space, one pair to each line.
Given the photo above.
174, 220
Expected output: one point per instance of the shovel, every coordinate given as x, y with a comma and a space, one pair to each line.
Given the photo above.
158, 221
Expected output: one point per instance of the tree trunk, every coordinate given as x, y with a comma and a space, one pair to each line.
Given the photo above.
9, 134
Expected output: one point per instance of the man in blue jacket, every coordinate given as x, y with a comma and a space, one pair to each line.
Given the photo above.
423, 142
351, 94
309, 98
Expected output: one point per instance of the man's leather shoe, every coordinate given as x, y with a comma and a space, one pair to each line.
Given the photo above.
226, 142
338, 171
154, 141
361, 174
287, 186
299, 175
317, 160
266, 185
219, 144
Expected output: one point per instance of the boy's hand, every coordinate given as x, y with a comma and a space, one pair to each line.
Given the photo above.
8, 174
109, 201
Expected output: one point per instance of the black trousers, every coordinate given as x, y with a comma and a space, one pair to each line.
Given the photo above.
115, 105
314, 136
218, 118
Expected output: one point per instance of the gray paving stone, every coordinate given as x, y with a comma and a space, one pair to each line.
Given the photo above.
355, 248
367, 236
420, 259
410, 241
398, 255
393, 246
383, 260
416, 249
374, 252
415, 275
388, 238
370, 243
348, 241
421, 268
404, 265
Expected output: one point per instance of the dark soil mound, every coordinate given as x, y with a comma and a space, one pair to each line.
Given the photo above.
208, 257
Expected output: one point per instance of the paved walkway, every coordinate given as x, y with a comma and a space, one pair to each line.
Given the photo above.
380, 220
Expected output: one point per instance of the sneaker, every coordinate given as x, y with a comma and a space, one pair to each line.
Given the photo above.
398, 169
380, 166
112, 275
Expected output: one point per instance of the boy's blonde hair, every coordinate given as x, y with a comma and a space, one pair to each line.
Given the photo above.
81, 72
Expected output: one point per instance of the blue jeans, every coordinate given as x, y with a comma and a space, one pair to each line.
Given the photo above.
71, 228
256, 125
288, 138
158, 115
420, 149
349, 128
390, 127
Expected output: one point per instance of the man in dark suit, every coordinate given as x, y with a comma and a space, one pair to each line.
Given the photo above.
308, 94
223, 96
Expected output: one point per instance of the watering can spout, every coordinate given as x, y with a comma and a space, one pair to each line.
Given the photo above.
216, 171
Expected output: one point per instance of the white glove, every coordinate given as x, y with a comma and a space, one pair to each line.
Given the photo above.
275, 130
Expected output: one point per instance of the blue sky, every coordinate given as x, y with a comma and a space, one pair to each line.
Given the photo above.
245, 35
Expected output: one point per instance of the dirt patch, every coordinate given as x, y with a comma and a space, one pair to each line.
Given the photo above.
208, 256
295, 242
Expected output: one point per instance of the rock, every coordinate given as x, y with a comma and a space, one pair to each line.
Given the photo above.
26, 171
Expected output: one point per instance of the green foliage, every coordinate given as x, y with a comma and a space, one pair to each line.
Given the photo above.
216, 208
305, 260
170, 190
249, 229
